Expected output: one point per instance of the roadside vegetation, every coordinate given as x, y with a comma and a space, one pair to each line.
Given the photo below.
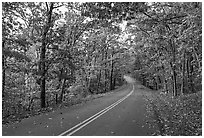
74, 100
15, 118
181, 116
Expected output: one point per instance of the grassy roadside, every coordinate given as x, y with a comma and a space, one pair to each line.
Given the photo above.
71, 102
181, 116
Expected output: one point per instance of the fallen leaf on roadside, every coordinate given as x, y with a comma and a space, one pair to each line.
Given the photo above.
29, 132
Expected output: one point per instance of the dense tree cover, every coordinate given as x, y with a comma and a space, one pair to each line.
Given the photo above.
167, 39
53, 52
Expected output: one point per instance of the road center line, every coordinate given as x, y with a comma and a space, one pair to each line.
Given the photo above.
79, 126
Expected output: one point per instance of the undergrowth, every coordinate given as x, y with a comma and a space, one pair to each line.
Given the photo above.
15, 118
180, 116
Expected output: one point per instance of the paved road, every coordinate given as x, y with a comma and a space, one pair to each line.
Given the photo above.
120, 113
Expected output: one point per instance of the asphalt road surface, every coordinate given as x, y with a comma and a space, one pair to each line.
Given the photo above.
119, 113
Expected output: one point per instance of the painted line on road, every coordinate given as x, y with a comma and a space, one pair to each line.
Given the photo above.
79, 126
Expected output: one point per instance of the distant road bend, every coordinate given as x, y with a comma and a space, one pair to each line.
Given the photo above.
120, 113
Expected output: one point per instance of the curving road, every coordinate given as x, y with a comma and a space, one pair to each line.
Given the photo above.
119, 113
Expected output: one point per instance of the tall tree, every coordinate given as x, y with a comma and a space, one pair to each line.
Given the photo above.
42, 67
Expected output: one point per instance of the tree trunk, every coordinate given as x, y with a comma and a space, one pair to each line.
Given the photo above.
42, 56
142, 78
114, 82
197, 59
62, 90
56, 98
111, 71
58, 86
89, 85
173, 66
106, 75
99, 75
165, 86
174, 81
111, 78
3, 71
188, 72
155, 82
164, 80
183, 73
99, 80
159, 82
191, 74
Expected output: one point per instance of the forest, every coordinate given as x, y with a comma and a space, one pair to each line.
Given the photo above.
54, 53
